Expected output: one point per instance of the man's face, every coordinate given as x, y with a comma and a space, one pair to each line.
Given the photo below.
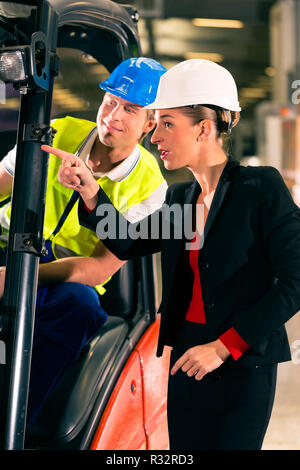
121, 123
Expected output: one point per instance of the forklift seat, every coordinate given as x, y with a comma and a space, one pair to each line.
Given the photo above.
121, 294
69, 405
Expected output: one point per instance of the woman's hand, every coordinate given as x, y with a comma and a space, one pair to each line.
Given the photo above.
74, 174
200, 360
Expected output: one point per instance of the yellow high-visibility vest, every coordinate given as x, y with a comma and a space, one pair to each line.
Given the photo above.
71, 238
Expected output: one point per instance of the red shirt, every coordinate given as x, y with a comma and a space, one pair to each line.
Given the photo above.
231, 339
195, 313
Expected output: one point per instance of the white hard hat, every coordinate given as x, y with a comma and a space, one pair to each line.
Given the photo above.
196, 81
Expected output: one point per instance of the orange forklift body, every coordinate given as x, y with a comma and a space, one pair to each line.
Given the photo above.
136, 415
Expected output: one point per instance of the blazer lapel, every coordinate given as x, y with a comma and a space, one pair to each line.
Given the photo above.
189, 197
192, 193
219, 196
174, 247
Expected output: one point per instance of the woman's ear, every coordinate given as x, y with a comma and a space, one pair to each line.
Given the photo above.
204, 129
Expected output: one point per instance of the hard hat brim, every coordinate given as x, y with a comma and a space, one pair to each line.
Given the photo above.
118, 93
161, 104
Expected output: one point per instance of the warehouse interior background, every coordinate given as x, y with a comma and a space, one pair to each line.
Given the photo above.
259, 42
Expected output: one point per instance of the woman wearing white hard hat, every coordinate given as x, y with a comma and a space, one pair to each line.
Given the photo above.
226, 295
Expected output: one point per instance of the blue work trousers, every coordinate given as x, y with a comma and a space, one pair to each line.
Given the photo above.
67, 315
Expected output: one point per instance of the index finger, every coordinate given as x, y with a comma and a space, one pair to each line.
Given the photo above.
58, 152
179, 363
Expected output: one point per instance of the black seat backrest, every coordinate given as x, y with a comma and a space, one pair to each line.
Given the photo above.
69, 405
120, 297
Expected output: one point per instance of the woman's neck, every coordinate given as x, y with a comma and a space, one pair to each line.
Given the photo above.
208, 169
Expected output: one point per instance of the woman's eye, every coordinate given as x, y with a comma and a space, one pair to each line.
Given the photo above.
167, 125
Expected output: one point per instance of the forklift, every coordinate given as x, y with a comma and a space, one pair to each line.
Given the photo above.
114, 395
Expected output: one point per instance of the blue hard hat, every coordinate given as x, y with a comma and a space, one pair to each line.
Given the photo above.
136, 80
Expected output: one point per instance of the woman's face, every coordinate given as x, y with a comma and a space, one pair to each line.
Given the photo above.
176, 138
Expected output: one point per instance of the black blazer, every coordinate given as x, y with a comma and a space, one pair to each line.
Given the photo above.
249, 264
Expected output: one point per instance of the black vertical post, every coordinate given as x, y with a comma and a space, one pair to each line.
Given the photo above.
25, 245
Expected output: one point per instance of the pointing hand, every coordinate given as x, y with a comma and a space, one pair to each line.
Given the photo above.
74, 174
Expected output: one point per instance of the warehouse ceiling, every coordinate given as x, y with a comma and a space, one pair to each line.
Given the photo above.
170, 33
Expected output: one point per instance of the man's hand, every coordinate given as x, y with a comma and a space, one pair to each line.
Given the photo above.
74, 174
202, 359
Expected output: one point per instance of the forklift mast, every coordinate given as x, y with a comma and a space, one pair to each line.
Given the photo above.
30, 33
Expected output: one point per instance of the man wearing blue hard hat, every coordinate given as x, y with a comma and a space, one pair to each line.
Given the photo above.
73, 274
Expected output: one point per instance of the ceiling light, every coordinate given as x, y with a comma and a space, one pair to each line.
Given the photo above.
70, 103
213, 56
11, 103
88, 59
66, 99
270, 71
253, 93
98, 69
217, 23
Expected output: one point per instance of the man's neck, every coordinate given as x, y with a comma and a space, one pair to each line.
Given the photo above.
103, 158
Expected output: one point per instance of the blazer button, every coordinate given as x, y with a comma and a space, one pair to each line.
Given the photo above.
209, 306
203, 265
